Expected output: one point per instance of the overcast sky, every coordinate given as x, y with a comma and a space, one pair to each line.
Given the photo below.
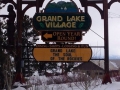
97, 26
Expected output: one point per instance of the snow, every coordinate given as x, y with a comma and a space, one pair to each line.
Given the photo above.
59, 64
76, 64
35, 73
70, 74
114, 64
113, 86
19, 88
59, 70
36, 79
17, 84
49, 71
40, 83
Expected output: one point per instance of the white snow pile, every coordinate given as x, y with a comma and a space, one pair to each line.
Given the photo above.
35, 79
19, 88
114, 65
77, 64
40, 83
18, 84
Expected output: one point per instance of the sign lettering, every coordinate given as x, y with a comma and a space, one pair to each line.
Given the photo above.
67, 52
60, 36
57, 21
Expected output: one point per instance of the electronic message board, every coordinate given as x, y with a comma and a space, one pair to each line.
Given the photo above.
63, 52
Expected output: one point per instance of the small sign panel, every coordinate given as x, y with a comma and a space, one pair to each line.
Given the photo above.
62, 21
64, 52
60, 36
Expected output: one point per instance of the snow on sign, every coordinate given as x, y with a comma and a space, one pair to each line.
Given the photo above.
63, 52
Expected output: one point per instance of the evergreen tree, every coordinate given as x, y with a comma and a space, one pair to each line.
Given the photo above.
6, 65
2, 58
29, 38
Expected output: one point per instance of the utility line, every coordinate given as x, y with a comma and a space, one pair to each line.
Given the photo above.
97, 34
114, 14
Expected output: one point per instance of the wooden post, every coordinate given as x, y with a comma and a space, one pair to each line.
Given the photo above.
19, 76
37, 6
106, 78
